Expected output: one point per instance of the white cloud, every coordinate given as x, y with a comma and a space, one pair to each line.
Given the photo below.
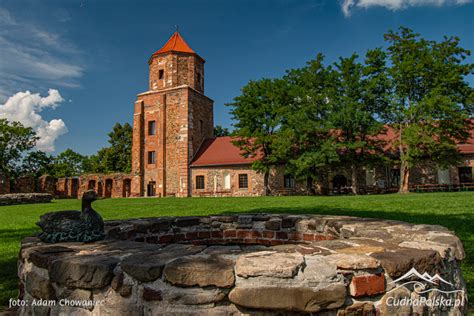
35, 58
26, 107
348, 5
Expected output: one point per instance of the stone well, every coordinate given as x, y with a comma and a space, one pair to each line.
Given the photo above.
243, 264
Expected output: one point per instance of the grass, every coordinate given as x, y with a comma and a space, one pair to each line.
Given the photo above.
453, 210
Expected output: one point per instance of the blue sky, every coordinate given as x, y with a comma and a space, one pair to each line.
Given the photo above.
94, 53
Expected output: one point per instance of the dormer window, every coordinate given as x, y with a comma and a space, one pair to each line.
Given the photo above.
161, 74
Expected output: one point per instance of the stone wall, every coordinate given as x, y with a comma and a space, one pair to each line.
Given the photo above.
25, 198
47, 184
245, 264
114, 185
214, 181
25, 184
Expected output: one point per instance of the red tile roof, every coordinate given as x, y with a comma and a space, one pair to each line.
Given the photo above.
220, 151
176, 43
390, 136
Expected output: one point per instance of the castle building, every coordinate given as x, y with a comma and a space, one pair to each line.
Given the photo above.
174, 152
171, 120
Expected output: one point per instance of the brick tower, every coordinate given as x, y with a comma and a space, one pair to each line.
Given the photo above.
170, 121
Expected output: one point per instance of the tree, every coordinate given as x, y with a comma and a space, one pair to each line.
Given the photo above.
305, 142
37, 163
220, 131
258, 114
431, 101
119, 157
356, 104
15, 141
68, 164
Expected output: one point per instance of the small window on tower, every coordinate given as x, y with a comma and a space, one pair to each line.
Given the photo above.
151, 127
161, 74
151, 157
199, 77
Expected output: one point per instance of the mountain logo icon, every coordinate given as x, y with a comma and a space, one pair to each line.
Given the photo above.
435, 279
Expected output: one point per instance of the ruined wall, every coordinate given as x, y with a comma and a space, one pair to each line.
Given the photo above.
46, 184
114, 185
25, 184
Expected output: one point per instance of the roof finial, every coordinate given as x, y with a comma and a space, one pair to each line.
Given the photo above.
177, 28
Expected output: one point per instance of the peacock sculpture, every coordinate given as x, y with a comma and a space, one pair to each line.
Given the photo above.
81, 226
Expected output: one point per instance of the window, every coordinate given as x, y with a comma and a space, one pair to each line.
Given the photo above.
161, 74
151, 127
227, 181
395, 178
199, 78
199, 182
201, 126
289, 181
243, 181
465, 174
443, 176
151, 157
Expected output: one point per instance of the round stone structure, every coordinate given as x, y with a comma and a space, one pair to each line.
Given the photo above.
257, 264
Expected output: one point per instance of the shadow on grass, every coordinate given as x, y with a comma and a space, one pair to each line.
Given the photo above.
10, 245
461, 223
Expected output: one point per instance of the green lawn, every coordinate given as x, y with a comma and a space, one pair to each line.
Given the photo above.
453, 210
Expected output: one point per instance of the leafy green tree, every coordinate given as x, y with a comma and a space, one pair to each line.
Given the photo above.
68, 164
15, 141
431, 100
305, 142
37, 163
258, 113
220, 131
119, 157
356, 104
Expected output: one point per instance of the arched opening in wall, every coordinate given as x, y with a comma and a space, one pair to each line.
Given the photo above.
100, 189
74, 187
91, 185
339, 183
127, 187
108, 187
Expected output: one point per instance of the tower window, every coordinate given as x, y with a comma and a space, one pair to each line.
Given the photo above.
199, 77
199, 182
243, 181
151, 157
161, 74
201, 126
151, 127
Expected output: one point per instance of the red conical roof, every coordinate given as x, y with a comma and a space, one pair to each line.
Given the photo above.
175, 44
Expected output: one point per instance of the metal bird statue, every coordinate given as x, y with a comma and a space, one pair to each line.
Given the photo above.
81, 226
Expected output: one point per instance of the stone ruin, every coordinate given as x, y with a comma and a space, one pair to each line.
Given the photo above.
245, 264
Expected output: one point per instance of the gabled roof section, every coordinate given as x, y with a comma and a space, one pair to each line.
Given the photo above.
176, 43
220, 151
